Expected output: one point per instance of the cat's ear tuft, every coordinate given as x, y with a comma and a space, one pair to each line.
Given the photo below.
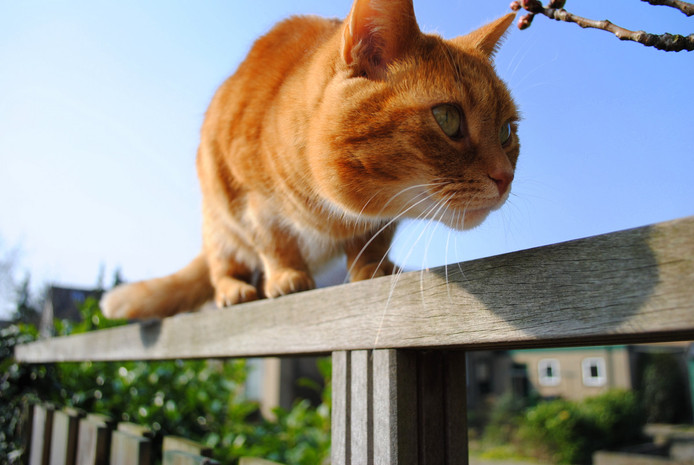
376, 33
487, 38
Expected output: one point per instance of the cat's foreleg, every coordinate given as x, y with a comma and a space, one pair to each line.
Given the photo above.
367, 256
229, 273
284, 269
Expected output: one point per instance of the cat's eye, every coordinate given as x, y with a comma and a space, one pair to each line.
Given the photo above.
449, 118
505, 133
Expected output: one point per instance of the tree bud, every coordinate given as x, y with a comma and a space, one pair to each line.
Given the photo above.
525, 21
533, 6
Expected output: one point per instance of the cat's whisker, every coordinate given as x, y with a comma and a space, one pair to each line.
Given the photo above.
437, 217
396, 278
393, 197
409, 188
446, 258
457, 256
384, 227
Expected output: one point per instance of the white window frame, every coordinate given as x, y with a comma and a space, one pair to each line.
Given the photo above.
588, 379
542, 366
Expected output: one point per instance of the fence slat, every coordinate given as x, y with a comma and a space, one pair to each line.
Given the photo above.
548, 296
64, 437
361, 408
340, 420
174, 443
128, 449
94, 442
394, 398
175, 457
181, 451
42, 428
135, 429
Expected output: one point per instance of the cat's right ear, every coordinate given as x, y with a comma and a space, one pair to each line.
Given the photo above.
376, 33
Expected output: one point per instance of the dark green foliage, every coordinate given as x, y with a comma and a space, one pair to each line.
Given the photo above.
664, 388
201, 400
19, 385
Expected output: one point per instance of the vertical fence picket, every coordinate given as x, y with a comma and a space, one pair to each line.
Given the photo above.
64, 437
40, 449
129, 449
94, 440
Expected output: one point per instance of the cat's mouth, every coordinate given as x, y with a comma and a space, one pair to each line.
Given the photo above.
460, 217
463, 211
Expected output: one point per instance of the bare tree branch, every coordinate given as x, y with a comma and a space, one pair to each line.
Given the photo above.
684, 7
667, 42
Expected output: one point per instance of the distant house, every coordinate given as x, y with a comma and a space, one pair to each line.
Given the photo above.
576, 373
64, 303
580, 372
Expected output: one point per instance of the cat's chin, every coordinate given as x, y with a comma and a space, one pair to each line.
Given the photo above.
468, 220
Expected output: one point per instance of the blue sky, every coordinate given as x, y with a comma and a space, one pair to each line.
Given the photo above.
101, 105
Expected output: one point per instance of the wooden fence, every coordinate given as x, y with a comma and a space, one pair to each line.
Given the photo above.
68, 436
398, 343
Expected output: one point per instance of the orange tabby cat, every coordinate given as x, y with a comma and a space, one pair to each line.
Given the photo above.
326, 133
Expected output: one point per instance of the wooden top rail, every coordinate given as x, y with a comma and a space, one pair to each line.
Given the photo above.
630, 286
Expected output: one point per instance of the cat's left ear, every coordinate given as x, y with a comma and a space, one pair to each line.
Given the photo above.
376, 33
487, 38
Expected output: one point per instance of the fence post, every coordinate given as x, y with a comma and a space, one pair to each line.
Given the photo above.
399, 407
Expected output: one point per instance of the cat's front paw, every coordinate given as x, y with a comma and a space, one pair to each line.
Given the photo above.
230, 291
288, 281
372, 270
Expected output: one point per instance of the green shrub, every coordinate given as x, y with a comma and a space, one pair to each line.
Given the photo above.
569, 432
505, 416
201, 400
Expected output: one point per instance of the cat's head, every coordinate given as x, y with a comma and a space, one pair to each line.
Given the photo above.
415, 125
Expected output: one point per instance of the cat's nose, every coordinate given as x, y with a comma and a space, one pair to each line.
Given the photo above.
502, 178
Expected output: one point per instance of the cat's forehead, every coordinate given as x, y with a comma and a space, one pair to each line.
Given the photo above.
449, 74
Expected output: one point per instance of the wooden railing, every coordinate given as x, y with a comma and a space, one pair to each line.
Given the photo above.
398, 343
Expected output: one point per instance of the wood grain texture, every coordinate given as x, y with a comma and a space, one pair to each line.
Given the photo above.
630, 286
361, 408
405, 407
340, 418
394, 407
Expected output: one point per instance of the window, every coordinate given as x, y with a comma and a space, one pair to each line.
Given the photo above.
548, 371
594, 371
